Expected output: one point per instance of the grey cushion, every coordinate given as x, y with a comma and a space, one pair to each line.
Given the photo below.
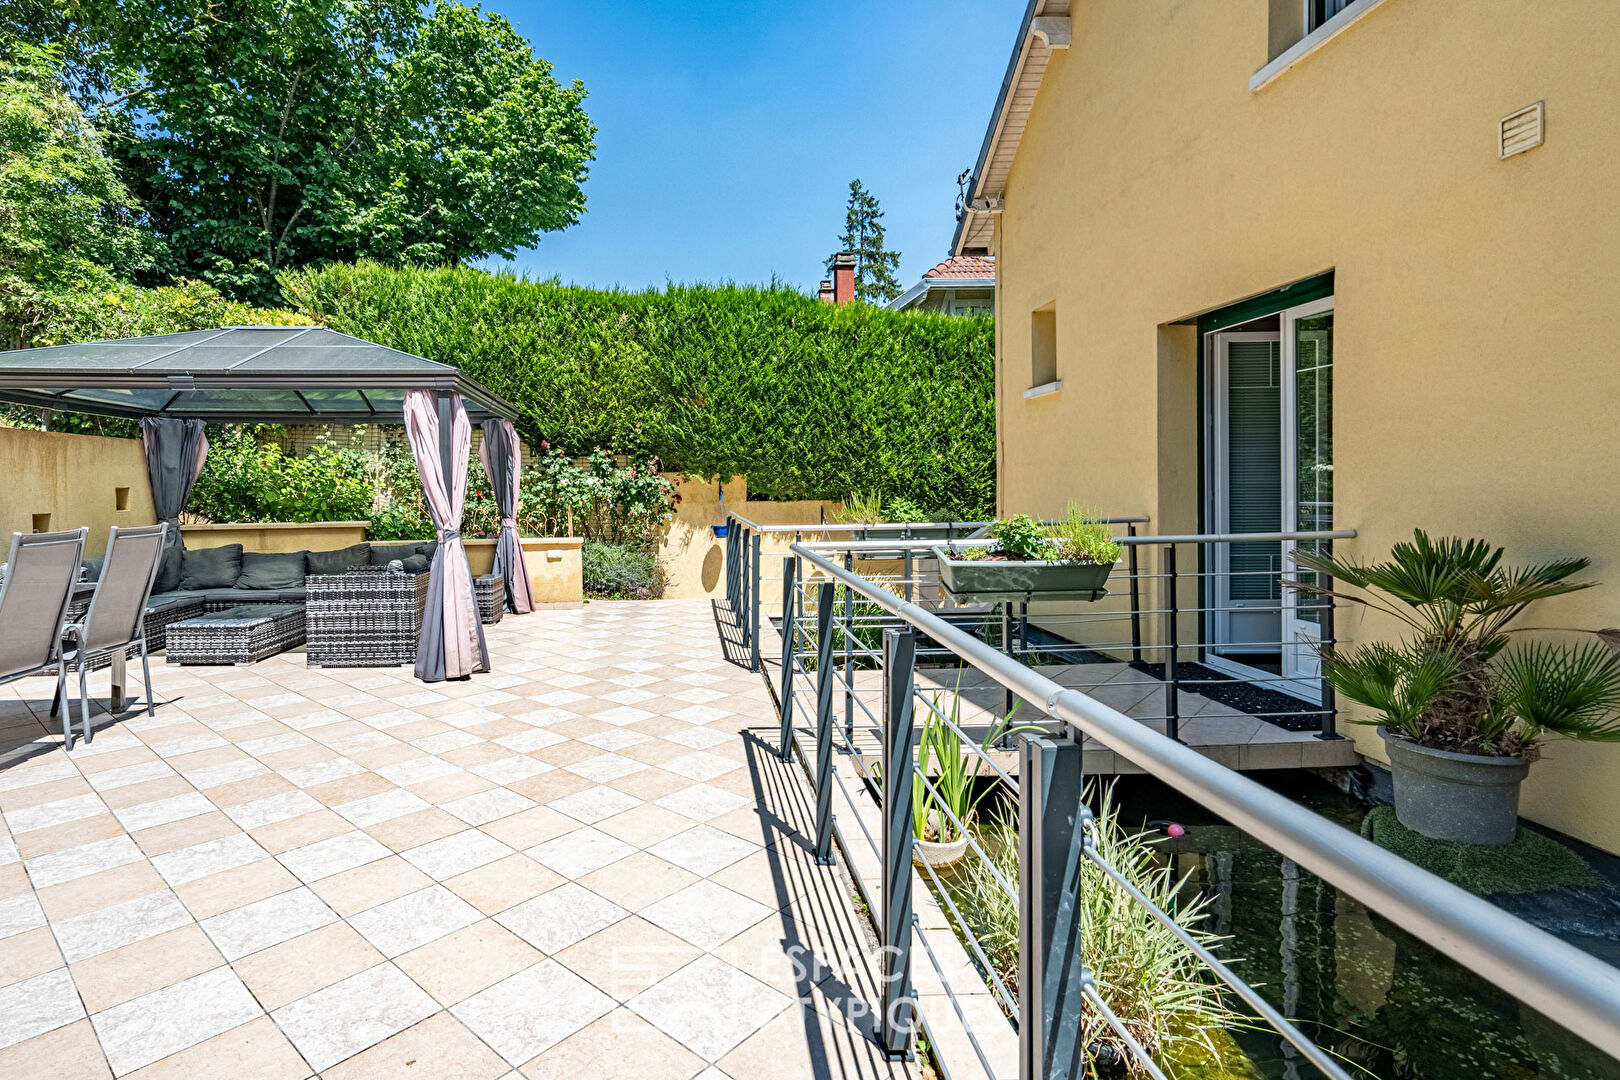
416, 564
336, 562
277, 570
383, 554
159, 601
241, 596
211, 568
168, 578
291, 596
92, 568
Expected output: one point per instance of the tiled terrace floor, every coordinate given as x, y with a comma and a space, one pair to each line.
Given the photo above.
583, 864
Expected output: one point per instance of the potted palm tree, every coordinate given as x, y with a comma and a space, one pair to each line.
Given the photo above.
1462, 705
1072, 558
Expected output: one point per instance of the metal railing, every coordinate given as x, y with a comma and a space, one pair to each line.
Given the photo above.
1055, 829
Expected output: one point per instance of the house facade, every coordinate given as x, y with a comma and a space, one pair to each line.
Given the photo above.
1291, 264
961, 285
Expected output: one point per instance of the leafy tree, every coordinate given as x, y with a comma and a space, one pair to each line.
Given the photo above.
66, 221
863, 234
267, 134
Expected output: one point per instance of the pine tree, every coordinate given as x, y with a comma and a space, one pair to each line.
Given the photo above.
863, 235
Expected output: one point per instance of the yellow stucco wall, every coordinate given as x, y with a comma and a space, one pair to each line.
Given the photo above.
278, 536
1475, 297
75, 479
695, 560
555, 573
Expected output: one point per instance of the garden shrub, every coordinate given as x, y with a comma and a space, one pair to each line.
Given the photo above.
621, 572
807, 400
244, 479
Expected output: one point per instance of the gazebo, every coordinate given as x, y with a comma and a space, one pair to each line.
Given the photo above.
174, 384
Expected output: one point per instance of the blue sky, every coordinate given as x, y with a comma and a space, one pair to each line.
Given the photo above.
729, 132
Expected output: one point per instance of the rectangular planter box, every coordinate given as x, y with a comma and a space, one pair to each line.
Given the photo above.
986, 581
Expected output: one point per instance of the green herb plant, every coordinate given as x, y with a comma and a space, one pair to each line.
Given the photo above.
1020, 539
1083, 537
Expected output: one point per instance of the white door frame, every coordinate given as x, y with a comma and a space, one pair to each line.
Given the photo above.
1299, 661
1219, 622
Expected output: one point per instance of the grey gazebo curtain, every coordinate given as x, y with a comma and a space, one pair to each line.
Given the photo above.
501, 456
452, 642
175, 451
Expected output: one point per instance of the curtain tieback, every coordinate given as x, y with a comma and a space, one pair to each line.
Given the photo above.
509, 523
447, 535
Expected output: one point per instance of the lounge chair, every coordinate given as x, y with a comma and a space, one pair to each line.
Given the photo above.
34, 596
116, 617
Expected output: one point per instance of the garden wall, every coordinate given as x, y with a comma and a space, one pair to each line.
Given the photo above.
692, 556
53, 481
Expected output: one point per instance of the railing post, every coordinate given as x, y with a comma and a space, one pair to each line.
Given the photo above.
731, 566
753, 606
1136, 598
824, 723
897, 1025
849, 654
1172, 703
1330, 697
790, 571
742, 585
1051, 832
1006, 647
905, 534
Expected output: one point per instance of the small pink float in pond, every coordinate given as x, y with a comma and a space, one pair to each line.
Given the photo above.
1173, 829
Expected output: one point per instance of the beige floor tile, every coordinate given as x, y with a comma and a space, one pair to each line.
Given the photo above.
95, 891
439, 1047
414, 830
480, 753
650, 784
530, 827
123, 974
148, 791
461, 964
638, 880
255, 1051
231, 889
300, 831
22, 956
60, 837
494, 887
68, 1053
627, 957
367, 886
556, 784
645, 825
14, 880
619, 1046
116, 759
253, 788
455, 786
39, 794
349, 788
286, 972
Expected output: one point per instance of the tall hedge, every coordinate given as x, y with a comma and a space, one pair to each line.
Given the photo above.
806, 399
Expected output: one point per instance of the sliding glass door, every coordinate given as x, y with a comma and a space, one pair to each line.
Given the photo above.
1308, 461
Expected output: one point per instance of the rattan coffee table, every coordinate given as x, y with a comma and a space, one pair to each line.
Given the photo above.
235, 636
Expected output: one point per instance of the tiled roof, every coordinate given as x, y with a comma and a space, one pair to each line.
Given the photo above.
965, 266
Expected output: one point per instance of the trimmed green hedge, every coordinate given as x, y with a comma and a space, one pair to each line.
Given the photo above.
807, 400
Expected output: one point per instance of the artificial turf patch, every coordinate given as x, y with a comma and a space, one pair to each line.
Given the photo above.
1532, 863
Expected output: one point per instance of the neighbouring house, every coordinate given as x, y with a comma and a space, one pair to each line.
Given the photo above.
1275, 265
840, 288
961, 285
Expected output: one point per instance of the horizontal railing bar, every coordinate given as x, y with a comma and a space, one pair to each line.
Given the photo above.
831, 526
1574, 988
964, 736
1089, 992
950, 992
961, 827
969, 936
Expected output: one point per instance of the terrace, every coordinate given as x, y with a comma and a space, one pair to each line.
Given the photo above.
584, 862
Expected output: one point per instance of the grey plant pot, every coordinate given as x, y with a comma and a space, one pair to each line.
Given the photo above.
986, 580
1467, 798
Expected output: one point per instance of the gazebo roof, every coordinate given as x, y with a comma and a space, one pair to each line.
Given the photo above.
236, 375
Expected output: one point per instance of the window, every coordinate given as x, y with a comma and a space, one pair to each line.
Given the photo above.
1318, 12
1043, 346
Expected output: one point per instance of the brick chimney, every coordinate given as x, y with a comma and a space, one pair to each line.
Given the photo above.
825, 293
843, 277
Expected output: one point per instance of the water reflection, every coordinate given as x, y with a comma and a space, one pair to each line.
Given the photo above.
1363, 987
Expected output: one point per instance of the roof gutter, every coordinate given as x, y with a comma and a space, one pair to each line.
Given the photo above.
1020, 48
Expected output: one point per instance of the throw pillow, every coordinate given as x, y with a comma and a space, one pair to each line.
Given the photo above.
339, 561
211, 568
168, 579
272, 570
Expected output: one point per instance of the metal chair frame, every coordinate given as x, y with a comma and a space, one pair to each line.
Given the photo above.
20, 541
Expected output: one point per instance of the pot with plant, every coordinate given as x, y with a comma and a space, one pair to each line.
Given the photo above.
1462, 704
1069, 560
889, 511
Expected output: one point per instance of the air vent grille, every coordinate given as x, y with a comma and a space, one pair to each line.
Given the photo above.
1522, 130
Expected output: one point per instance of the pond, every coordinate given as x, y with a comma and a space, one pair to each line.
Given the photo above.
1364, 988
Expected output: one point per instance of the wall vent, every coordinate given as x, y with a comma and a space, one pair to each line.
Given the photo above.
1522, 130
